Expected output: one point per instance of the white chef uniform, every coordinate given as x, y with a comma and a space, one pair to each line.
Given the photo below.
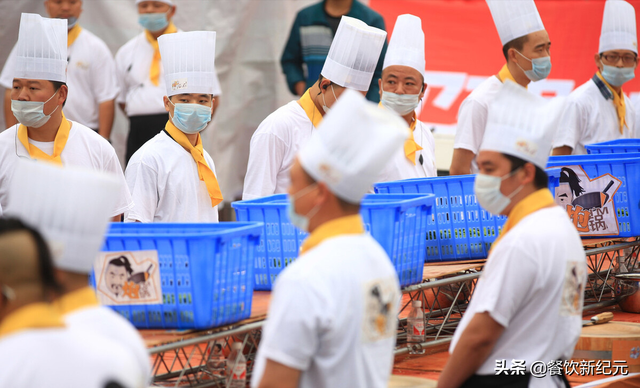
591, 116
513, 19
322, 318
38, 57
533, 282
91, 77
406, 48
73, 219
162, 176
351, 62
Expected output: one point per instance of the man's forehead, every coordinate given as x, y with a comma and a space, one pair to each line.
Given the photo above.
24, 81
193, 95
401, 72
493, 158
537, 38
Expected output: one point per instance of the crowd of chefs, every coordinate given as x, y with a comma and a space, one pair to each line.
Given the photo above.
332, 318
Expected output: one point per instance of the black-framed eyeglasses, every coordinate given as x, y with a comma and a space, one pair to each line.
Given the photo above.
627, 59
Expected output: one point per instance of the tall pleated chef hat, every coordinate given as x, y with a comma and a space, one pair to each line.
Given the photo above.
188, 61
618, 27
41, 51
521, 124
352, 145
71, 207
161, 1
354, 54
515, 19
406, 46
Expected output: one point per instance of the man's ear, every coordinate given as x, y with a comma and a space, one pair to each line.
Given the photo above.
63, 92
324, 85
530, 173
166, 101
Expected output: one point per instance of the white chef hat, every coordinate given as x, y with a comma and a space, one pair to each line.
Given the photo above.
71, 207
522, 124
161, 1
618, 27
406, 46
355, 140
514, 18
188, 61
41, 51
354, 53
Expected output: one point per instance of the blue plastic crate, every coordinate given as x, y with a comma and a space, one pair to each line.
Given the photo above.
614, 147
206, 272
397, 222
626, 168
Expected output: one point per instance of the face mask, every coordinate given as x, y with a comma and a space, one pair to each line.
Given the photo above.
617, 76
402, 104
31, 113
153, 21
190, 118
71, 22
325, 108
541, 67
487, 189
301, 221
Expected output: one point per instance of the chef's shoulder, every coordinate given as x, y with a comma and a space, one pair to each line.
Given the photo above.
282, 122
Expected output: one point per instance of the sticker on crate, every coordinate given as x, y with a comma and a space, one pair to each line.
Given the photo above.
131, 277
589, 201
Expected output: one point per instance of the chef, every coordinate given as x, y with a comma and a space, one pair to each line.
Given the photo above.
70, 207
332, 319
37, 349
44, 132
527, 305
172, 178
402, 87
140, 74
599, 110
91, 73
525, 45
351, 62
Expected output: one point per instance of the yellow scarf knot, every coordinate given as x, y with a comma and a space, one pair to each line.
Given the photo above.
58, 144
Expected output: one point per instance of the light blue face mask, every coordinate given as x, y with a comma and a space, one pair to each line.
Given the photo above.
71, 22
153, 21
541, 67
299, 221
617, 76
190, 118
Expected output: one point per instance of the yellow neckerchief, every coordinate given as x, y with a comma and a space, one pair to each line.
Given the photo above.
76, 300
154, 71
204, 171
33, 316
73, 34
505, 74
339, 226
58, 144
618, 102
532, 203
410, 145
310, 109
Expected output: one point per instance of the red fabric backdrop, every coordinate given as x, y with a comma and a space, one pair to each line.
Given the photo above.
462, 48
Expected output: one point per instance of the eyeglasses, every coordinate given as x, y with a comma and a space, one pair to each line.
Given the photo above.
614, 58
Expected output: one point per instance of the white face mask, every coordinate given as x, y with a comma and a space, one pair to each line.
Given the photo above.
402, 104
487, 189
31, 113
325, 108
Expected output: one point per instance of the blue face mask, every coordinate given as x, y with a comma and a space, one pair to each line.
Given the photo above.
617, 76
299, 221
153, 21
541, 67
190, 118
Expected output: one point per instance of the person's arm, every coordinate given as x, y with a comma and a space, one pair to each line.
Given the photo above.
277, 375
291, 60
461, 162
142, 183
106, 113
300, 87
563, 150
471, 351
9, 118
266, 154
572, 126
123, 107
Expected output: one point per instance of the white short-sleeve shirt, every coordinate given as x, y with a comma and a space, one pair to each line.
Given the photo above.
274, 146
590, 118
165, 185
137, 92
533, 285
333, 316
400, 167
84, 148
91, 78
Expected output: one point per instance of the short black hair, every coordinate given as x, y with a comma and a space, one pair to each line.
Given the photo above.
540, 181
122, 261
45, 261
56, 87
517, 43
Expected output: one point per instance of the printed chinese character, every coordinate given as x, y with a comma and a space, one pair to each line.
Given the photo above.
620, 367
518, 367
501, 367
579, 217
603, 367
571, 367
587, 368
555, 368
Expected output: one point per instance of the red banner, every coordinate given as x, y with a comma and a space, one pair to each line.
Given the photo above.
462, 49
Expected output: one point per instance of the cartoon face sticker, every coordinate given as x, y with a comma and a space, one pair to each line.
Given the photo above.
564, 195
117, 275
